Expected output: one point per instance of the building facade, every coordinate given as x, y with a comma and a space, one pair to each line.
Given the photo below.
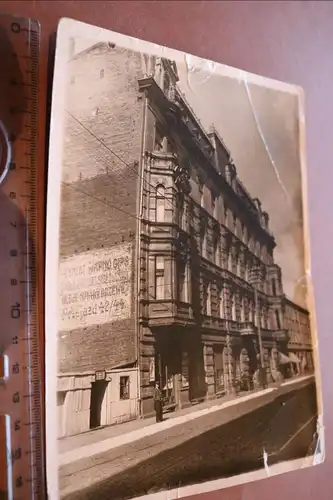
203, 309
297, 322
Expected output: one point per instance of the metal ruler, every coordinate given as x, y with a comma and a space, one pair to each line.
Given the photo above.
21, 401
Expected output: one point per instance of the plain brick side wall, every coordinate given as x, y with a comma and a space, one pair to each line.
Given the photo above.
99, 194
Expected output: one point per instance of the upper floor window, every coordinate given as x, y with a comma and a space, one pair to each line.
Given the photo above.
159, 278
203, 242
242, 309
160, 140
101, 73
221, 303
233, 307
216, 250
201, 195
160, 203
278, 319
273, 286
213, 203
183, 281
208, 300
180, 200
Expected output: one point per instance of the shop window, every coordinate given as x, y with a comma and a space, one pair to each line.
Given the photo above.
124, 387
159, 278
160, 204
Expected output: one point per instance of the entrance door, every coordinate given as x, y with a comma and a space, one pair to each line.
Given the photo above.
96, 399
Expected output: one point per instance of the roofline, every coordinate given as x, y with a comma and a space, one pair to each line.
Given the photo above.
88, 49
296, 306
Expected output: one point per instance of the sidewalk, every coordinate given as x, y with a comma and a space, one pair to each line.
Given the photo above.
101, 440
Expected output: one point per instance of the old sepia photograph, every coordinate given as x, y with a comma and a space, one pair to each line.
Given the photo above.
180, 321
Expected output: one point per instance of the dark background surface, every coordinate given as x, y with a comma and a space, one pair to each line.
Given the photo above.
290, 41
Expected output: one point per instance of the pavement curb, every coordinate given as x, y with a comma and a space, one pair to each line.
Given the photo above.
90, 450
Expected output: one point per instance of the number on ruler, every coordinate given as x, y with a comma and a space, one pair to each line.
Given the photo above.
16, 368
16, 454
16, 397
16, 311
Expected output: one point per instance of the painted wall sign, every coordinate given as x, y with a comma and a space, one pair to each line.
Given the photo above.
95, 287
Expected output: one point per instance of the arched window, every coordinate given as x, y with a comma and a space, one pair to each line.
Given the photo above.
101, 73
160, 203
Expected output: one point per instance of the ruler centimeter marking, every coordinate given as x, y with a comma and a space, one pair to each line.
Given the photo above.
21, 419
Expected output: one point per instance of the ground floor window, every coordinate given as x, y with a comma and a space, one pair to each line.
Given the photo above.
124, 387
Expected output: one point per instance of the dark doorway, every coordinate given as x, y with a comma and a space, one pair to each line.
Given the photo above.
96, 399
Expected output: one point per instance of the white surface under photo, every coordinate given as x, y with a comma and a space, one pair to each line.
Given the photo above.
180, 322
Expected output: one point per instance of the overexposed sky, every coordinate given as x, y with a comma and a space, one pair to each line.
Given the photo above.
260, 127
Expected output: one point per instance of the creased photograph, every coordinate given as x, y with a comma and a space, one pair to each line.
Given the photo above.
180, 320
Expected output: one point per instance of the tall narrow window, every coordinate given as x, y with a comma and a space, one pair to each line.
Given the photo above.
181, 221
201, 195
233, 307
203, 242
124, 388
277, 319
160, 140
160, 204
101, 73
216, 250
159, 279
221, 304
242, 309
208, 301
213, 198
273, 286
182, 281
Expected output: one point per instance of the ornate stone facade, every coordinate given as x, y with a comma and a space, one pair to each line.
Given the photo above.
207, 298
207, 243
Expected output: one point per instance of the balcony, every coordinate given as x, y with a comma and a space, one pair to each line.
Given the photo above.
169, 312
280, 335
248, 328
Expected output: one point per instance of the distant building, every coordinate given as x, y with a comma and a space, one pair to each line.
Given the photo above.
201, 306
297, 323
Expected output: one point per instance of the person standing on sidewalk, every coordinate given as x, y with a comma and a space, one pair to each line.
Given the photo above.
158, 403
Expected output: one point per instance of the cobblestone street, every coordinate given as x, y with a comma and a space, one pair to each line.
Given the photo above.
220, 444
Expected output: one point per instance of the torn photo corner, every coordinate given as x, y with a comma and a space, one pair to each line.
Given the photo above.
181, 342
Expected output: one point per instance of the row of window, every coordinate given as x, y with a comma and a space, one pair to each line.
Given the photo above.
183, 276
161, 286
247, 310
161, 203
